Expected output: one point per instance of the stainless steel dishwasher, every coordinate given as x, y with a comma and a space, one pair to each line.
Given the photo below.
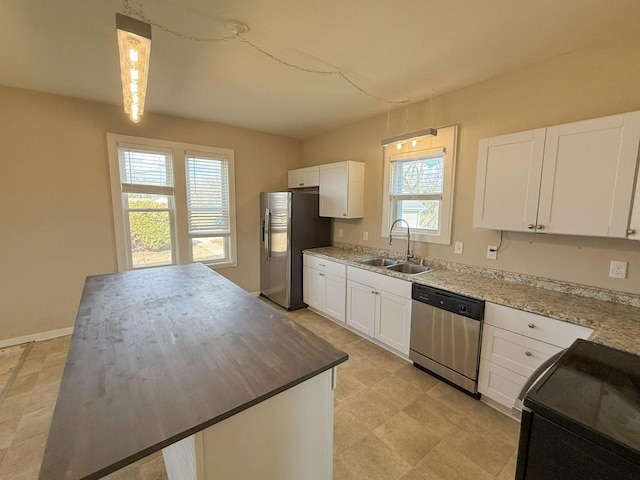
445, 335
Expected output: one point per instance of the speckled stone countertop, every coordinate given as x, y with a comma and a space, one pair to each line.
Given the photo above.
614, 324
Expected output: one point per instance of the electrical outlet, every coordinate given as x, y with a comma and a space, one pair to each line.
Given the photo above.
365, 236
492, 253
459, 247
618, 269
340, 232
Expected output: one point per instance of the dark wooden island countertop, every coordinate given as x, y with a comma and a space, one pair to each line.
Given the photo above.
160, 354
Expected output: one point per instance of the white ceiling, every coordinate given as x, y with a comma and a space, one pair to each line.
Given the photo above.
392, 48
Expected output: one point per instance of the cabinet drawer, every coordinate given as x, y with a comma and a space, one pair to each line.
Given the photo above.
514, 352
499, 384
555, 332
380, 281
326, 266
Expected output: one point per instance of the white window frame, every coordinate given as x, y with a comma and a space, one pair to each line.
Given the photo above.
181, 241
445, 141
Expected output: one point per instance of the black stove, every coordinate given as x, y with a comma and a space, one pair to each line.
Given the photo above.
582, 418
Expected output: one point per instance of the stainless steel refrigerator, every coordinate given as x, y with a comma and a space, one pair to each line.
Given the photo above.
290, 224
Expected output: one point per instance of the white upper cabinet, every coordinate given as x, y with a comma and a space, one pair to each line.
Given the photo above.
585, 172
304, 177
342, 190
509, 167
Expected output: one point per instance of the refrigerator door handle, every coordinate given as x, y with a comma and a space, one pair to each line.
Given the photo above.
267, 233
518, 405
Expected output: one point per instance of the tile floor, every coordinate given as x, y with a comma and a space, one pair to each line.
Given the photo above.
391, 420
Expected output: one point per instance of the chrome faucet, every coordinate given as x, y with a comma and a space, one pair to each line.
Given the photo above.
407, 254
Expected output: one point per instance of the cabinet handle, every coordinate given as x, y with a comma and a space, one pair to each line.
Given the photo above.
528, 354
631, 231
531, 325
321, 274
322, 264
344, 214
301, 184
539, 227
531, 226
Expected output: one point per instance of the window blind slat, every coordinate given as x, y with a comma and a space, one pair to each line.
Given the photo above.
145, 168
418, 176
208, 195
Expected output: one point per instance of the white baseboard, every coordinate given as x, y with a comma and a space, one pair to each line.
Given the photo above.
36, 337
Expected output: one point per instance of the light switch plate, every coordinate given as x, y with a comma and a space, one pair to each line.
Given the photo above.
618, 269
492, 255
459, 247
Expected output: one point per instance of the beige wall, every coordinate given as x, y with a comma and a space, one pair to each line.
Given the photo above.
581, 85
55, 201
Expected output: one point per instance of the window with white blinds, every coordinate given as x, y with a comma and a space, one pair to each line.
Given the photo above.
208, 206
416, 190
418, 186
167, 191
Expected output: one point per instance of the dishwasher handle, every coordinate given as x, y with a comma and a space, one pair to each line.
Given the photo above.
518, 405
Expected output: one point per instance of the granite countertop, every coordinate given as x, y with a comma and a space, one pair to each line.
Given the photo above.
614, 324
162, 353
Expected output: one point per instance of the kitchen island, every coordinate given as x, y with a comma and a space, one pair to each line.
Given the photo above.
183, 360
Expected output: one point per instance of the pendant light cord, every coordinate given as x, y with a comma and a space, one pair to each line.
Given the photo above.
138, 12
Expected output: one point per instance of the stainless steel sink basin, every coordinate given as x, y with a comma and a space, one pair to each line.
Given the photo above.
409, 268
379, 262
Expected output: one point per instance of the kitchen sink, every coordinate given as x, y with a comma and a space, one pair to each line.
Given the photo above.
379, 262
408, 268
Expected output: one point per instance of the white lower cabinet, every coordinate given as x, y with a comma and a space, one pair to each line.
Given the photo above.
379, 306
323, 286
514, 344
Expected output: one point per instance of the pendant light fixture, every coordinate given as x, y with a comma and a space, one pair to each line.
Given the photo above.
134, 45
399, 140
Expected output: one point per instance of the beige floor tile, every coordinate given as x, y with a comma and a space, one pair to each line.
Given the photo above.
416, 377
370, 408
342, 337
341, 471
347, 431
55, 359
13, 407
43, 397
453, 398
33, 424
348, 385
433, 414
407, 437
3, 451
509, 470
397, 391
23, 384
486, 418
151, 468
370, 458
7, 432
51, 374
369, 373
9, 360
23, 459
365, 347
448, 463
388, 360
483, 446
425, 473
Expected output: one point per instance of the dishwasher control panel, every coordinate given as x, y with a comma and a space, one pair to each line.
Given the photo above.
451, 302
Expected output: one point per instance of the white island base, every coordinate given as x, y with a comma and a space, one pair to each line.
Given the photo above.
286, 437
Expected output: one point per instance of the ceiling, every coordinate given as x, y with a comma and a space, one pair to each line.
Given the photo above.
393, 49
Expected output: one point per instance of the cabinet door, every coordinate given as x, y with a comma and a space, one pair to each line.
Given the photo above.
394, 321
313, 288
334, 300
295, 178
508, 181
333, 190
361, 307
499, 384
587, 178
634, 225
311, 177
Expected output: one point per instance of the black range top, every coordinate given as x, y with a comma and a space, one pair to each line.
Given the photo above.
593, 391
